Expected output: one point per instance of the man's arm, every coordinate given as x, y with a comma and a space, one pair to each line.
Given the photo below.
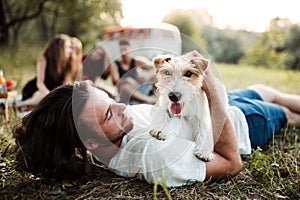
114, 73
146, 71
227, 160
128, 90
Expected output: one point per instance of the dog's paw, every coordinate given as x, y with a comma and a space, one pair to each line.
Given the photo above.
202, 155
160, 135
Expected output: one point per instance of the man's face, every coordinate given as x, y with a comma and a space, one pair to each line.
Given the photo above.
124, 49
107, 116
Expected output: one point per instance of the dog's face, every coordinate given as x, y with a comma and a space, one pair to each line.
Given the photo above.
179, 80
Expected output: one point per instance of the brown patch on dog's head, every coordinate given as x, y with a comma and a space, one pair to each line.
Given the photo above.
158, 61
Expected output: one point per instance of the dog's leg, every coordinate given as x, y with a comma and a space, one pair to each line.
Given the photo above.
204, 146
206, 156
204, 153
171, 128
203, 150
158, 134
204, 137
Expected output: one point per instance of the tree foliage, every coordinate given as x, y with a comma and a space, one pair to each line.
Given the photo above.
81, 18
198, 25
223, 45
277, 47
35, 21
291, 47
274, 46
13, 15
183, 20
186, 20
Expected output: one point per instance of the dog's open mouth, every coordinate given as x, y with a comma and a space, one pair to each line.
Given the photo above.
176, 108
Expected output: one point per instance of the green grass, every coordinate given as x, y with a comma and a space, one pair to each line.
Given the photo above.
19, 64
237, 76
269, 173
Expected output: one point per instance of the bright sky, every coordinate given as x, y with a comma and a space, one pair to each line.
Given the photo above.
254, 15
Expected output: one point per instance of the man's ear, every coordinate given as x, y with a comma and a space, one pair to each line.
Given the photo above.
90, 144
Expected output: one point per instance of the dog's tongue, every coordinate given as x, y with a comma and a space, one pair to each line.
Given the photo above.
175, 108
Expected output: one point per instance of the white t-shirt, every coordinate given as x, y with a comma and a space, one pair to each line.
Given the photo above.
239, 122
171, 160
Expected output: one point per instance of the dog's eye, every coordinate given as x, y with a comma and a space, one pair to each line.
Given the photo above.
167, 73
188, 74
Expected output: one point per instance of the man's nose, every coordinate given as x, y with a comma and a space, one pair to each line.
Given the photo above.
119, 107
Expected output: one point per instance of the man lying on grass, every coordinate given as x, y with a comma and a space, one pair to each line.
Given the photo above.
54, 138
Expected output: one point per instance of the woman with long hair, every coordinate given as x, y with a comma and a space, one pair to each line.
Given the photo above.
56, 66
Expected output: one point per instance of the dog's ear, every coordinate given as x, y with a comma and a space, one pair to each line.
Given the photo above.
201, 63
192, 54
158, 61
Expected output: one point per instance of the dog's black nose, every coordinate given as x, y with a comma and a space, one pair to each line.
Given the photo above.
174, 96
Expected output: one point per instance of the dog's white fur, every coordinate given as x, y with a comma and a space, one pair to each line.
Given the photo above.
184, 77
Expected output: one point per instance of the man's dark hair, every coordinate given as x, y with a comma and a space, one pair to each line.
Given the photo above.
47, 139
124, 42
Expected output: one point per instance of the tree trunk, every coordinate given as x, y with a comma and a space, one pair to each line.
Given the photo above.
16, 22
4, 32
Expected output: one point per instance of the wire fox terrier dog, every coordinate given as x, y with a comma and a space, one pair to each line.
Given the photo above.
179, 83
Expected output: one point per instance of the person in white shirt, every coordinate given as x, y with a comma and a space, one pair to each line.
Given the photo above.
124, 145
75, 118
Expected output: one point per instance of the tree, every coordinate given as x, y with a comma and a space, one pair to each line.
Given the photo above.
291, 47
198, 32
223, 45
265, 51
13, 14
76, 17
190, 30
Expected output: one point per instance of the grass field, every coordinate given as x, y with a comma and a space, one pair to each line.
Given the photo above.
269, 173
236, 76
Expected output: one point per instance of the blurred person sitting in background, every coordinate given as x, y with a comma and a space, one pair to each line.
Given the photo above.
133, 87
57, 65
95, 64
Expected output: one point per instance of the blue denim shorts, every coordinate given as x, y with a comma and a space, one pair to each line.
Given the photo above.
264, 119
